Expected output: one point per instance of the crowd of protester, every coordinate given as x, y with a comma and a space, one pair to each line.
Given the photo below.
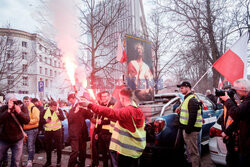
117, 127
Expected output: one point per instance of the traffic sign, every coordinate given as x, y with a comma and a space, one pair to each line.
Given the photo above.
40, 86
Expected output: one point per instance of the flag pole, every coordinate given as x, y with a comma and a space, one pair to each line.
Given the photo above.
202, 77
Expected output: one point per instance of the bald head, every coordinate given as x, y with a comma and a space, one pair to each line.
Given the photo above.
242, 87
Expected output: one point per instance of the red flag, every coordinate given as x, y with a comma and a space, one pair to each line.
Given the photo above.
220, 84
121, 54
233, 63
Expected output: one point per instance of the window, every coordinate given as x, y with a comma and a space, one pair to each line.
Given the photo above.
10, 66
40, 47
55, 73
50, 61
46, 83
10, 80
59, 64
46, 71
25, 67
41, 70
10, 54
25, 81
23, 92
205, 101
46, 60
24, 44
55, 63
50, 72
10, 42
24, 55
40, 58
10, 91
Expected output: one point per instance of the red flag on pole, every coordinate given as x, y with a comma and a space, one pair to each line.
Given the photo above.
233, 63
220, 84
121, 54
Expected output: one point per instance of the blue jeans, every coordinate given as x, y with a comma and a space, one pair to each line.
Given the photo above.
32, 134
16, 149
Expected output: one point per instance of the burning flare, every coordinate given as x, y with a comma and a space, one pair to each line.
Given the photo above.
70, 67
90, 91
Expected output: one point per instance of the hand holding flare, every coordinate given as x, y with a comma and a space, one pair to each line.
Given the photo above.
84, 102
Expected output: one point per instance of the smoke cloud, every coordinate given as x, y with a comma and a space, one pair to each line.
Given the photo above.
64, 19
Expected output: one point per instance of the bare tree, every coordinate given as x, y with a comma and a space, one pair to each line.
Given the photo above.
99, 23
203, 27
161, 46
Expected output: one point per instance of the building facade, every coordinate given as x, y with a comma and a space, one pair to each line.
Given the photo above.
29, 64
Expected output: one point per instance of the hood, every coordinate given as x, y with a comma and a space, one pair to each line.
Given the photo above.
138, 116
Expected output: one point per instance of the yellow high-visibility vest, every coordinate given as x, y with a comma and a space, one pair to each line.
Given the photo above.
55, 123
127, 143
184, 114
105, 127
111, 126
229, 118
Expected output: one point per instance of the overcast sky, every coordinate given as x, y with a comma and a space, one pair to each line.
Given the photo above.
21, 14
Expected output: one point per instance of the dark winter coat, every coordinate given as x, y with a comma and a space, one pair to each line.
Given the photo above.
241, 113
9, 130
77, 125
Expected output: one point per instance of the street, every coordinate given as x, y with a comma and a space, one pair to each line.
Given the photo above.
40, 158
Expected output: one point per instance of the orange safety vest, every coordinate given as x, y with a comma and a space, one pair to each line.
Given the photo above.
229, 120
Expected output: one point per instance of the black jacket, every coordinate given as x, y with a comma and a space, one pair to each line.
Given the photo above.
99, 129
241, 113
11, 132
234, 126
77, 125
193, 107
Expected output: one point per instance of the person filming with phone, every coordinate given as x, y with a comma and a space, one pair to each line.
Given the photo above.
53, 131
12, 118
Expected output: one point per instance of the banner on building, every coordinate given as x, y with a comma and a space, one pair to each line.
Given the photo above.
140, 68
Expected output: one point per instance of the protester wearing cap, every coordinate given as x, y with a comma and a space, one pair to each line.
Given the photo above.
11, 135
190, 122
53, 131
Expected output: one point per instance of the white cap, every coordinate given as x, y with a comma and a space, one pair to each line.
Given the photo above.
10, 96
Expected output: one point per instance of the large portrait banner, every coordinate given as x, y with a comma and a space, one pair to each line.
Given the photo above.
140, 68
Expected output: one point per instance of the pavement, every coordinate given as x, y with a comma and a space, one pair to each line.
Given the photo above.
40, 158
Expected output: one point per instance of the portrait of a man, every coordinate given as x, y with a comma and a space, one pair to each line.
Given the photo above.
140, 69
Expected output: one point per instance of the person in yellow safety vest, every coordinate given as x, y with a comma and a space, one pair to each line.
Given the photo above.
53, 131
230, 134
190, 122
31, 129
129, 136
101, 136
